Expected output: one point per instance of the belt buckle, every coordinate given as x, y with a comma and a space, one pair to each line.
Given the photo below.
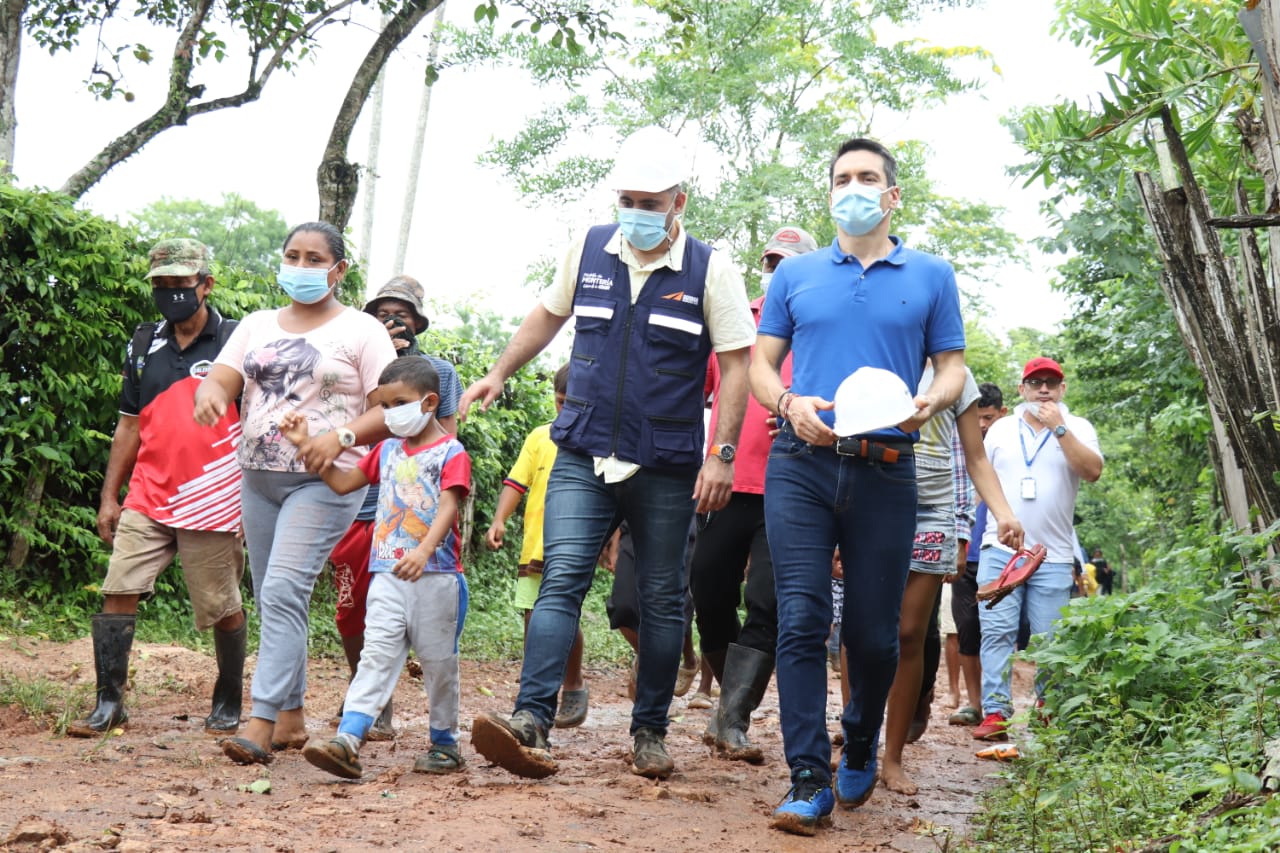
847, 446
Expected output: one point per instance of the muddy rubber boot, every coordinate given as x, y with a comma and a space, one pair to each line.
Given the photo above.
112, 639
746, 677
224, 717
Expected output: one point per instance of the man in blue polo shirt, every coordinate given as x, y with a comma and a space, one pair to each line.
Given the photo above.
864, 301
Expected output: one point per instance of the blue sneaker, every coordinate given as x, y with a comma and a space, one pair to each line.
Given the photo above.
855, 787
807, 805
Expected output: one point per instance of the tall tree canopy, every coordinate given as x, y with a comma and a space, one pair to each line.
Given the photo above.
764, 89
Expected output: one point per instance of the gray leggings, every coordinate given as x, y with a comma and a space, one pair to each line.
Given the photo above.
291, 523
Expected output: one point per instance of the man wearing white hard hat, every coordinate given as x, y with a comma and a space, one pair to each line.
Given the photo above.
650, 305
742, 654
865, 301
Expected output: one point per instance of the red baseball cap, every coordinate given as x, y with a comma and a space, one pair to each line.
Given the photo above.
1042, 365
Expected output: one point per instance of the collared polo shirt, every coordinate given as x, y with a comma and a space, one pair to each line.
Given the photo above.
186, 475
839, 317
1048, 518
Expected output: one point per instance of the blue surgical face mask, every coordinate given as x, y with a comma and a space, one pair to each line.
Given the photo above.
856, 208
307, 285
644, 229
407, 420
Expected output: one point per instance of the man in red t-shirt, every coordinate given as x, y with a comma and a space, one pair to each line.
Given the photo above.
184, 491
741, 656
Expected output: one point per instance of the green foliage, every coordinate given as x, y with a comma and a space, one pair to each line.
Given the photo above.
71, 292
241, 234
1160, 705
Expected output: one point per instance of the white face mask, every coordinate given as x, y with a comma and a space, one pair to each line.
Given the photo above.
765, 278
408, 420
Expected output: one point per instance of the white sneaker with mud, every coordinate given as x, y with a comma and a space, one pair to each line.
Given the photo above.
649, 755
517, 745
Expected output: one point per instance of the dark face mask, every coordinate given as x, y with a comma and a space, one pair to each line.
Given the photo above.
176, 304
407, 335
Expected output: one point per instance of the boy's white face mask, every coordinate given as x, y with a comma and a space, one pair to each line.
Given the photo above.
407, 420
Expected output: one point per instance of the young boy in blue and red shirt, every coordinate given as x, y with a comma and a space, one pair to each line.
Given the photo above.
417, 593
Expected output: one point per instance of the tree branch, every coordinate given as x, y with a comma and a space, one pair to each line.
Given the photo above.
172, 112
336, 178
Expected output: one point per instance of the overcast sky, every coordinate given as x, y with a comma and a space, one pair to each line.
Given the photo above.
473, 237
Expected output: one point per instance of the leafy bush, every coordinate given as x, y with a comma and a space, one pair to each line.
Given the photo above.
1160, 705
70, 296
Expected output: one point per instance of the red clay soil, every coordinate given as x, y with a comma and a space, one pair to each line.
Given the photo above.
162, 784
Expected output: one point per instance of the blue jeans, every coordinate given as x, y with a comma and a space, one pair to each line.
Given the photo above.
1043, 596
582, 511
815, 500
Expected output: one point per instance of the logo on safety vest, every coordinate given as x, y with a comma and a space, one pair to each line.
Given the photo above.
681, 296
595, 281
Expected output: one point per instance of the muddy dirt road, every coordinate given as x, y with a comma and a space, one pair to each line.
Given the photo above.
163, 785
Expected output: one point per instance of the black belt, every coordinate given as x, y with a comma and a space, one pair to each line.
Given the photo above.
876, 451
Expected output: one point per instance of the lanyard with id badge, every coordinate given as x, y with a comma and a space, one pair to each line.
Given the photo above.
1028, 489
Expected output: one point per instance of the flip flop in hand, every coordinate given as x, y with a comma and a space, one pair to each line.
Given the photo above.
1017, 571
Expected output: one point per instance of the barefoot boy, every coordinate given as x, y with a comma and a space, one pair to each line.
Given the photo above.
417, 594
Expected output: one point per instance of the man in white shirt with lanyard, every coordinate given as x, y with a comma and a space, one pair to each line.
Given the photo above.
1041, 452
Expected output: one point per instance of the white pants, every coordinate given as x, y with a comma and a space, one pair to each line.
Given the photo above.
427, 616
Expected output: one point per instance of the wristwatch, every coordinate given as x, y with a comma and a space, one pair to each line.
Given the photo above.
1060, 430
346, 437
724, 452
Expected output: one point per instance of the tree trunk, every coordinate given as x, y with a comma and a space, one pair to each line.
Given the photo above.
337, 179
415, 157
375, 144
1232, 353
10, 50
32, 496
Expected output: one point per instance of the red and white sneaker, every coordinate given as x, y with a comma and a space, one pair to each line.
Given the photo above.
994, 727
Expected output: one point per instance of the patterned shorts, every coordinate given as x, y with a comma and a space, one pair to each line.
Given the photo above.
934, 550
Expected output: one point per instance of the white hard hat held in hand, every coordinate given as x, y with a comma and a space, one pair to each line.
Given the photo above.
650, 160
871, 399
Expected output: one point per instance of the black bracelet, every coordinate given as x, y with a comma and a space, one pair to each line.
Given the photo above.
781, 397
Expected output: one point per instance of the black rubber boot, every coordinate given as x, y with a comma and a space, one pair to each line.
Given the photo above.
112, 639
746, 676
224, 718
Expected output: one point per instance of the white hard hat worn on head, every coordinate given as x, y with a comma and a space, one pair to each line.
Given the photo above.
871, 399
649, 161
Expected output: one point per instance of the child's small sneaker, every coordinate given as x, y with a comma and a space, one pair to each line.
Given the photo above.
441, 758
994, 727
807, 806
340, 756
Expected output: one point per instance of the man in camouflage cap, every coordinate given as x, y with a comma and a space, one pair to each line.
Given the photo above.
184, 490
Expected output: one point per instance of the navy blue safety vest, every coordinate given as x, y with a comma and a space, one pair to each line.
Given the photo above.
637, 372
